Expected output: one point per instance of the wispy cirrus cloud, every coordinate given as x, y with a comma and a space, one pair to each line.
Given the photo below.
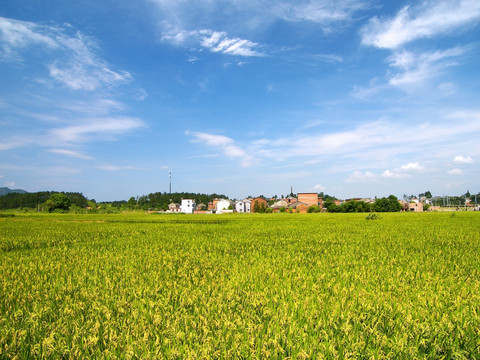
329, 14
106, 128
214, 41
369, 146
189, 23
117, 168
16, 35
72, 57
415, 68
225, 145
70, 153
425, 20
96, 128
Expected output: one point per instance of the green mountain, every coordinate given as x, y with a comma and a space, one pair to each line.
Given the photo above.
6, 190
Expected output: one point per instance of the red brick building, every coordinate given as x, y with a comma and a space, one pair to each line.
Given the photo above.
298, 207
258, 201
309, 199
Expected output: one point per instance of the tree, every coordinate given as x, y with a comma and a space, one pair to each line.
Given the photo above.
132, 202
389, 204
314, 209
58, 201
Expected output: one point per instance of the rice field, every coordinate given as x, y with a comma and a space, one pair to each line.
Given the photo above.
298, 286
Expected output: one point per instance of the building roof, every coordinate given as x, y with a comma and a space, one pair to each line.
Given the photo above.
279, 204
295, 204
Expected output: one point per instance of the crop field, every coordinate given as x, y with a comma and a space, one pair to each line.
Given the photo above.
299, 286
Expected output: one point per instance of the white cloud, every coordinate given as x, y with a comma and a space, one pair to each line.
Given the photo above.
9, 184
16, 34
189, 23
116, 168
463, 160
140, 95
359, 176
416, 68
226, 145
98, 127
16, 142
415, 166
211, 139
378, 142
426, 20
70, 153
215, 41
403, 171
394, 174
455, 171
75, 62
329, 14
82, 69
319, 187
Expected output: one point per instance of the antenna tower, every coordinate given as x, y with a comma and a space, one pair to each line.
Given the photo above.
170, 186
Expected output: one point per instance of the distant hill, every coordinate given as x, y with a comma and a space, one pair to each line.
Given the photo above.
6, 190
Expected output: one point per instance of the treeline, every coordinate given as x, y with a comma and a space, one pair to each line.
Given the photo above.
160, 201
76, 201
389, 204
38, 199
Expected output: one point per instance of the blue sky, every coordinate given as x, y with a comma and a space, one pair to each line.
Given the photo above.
349, 97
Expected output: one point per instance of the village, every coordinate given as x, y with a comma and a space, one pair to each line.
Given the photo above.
301, 203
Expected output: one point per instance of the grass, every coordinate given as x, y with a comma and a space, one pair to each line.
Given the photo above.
240, 286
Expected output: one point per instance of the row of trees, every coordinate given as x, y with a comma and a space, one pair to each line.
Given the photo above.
76, 202
389, 204
43, 199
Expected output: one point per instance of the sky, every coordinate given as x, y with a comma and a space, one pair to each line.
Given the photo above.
353, 98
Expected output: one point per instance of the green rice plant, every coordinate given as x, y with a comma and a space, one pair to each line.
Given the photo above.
244, 286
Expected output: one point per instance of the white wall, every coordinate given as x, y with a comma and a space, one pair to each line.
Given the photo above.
242, 206
222, 205
187, 206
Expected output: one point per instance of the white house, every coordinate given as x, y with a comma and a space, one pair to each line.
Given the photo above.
243, 206
221, 205
187, 206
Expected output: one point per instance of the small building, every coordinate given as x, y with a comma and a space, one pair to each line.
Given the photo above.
200, 207
299, 207
243, 206
309, 199
279, 205
173, 208
187, 206
291, 199
258, 202
415, 206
